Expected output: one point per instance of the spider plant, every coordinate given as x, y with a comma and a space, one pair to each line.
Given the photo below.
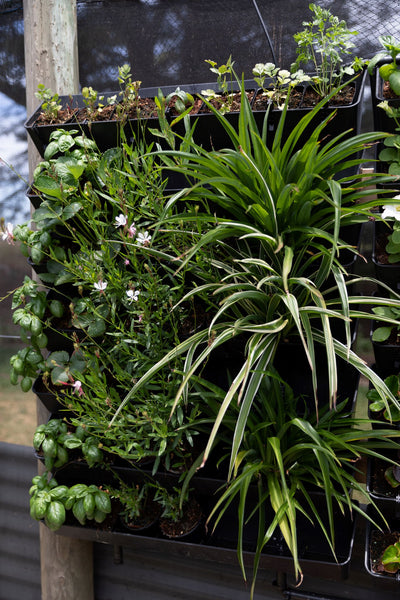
289, 455
275, 249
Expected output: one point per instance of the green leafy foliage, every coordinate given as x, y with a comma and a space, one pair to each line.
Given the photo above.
325, 43
51, 502
279, 82
283, 453
391, 558
389, 71
378, 405
390, 315
50, 102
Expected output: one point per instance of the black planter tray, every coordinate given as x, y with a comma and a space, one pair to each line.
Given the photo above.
220, 546
208, 549
385, 273
48, 399
293, 367
387, 357
347, 116
208, 132
385, 497
106, 133
381, 120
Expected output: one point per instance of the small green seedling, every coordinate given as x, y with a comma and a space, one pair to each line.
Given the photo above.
389, 71
50, 102
391, 558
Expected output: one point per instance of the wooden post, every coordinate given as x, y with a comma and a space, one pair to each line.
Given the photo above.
51, 58
51, 51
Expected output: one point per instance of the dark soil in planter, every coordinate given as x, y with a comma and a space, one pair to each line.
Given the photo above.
146, 522
378, 543
198, 102
343, 98
106, 114
145, 109
64, 115
388, 92
262, 101
221, 99
191, 519
381, 240
77, 115
377, 482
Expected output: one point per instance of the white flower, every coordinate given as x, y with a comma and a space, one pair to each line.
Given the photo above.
7, 234
144, 238
100, 286
133, 296
132, 231
78, 388
121, 220
391, 211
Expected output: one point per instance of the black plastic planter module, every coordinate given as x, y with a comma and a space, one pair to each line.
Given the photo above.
375, 543
209, 132
345, 118
219, 546
48, 399
381, 121
106, 134
385, 273
382, 493
387, 356
292, 365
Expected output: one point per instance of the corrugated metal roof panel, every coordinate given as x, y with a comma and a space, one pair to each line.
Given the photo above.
19, 534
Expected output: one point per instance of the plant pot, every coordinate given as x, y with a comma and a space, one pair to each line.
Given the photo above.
344, 118
382, 493
48, 399
34, 197
385, 272
189, 528
375, 543
387, 355
292, 365
146, 524
381, 121
316, 558
106, 133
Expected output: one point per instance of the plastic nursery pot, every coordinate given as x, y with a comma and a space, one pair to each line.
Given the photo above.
344, 117
292, 365
146, 523
377, 541
34, 197
48, 398
106, 133
316, 557
387, 354
380, 92
385, 272
381, 492
189, 528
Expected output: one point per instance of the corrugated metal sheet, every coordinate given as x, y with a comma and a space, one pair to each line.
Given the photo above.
143, 575
19, 534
